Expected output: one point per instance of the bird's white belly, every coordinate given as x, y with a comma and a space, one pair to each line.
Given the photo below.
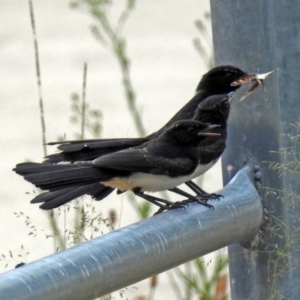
147, 182
154, 183
201, 169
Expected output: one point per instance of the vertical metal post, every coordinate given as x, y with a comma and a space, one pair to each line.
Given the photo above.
265, 35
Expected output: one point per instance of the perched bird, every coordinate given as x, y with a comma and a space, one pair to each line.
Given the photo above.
162, 163
218, 81
214, 109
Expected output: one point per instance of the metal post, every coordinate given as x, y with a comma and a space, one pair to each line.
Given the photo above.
264, 34
135, 252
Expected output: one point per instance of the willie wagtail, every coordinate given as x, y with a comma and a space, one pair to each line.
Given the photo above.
214, 109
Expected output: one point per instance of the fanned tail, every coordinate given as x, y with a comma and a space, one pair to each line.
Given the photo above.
65, 182
53, 199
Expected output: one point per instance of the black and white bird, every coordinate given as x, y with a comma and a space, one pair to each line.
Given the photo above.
162, 163
214, 109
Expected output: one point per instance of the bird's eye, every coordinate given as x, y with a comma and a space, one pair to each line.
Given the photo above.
192, 130
229, 75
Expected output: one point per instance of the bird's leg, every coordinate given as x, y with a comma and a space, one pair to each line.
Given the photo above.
181, 192
190, 197
200, 192
158, 201
195, 188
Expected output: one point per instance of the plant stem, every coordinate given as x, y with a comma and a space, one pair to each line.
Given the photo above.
53, 223
38, 74
83, 99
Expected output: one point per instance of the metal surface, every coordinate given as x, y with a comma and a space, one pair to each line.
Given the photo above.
140, 250
265, 35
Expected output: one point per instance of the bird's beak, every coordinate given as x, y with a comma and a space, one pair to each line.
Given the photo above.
207, 133
244, 79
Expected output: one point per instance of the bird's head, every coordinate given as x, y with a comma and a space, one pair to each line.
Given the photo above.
219, 79
192, 132
214, 109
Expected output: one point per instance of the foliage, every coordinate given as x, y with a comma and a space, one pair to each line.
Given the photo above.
203, 45
204, 286
110, 36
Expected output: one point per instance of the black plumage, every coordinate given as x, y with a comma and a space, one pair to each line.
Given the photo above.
213, 109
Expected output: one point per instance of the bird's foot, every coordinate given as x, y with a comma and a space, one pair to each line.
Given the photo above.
211, 196
169, 206
198, 200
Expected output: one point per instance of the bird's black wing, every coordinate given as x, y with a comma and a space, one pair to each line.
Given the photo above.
187, 112
83, 150
139, 160
74, 145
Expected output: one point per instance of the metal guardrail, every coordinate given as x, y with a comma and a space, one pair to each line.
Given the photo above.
135, 252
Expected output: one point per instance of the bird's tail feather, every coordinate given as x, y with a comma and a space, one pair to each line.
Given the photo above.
102, 193
53, 177
65, 182
90, 149
31, 167
56, 198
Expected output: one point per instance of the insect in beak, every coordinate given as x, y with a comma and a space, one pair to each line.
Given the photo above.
258, 79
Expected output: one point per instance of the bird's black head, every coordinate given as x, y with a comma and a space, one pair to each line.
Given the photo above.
191, 131
219, 79
214, 109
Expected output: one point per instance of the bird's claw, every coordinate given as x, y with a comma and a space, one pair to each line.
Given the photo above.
198, 200
214, 196
174, 205
211, 196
